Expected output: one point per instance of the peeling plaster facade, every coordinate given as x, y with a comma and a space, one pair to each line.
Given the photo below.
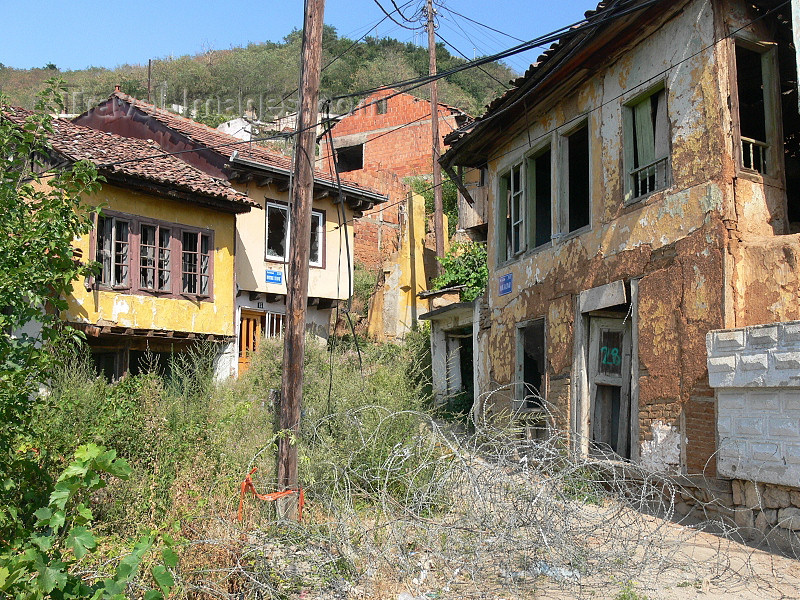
709, 249
121, 325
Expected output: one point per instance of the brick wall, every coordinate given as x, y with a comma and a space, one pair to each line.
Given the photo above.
393, 150
756, 374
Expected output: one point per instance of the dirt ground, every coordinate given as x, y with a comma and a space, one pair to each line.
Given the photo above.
705, 567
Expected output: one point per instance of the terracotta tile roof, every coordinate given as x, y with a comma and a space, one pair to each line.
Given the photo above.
225, 144
76, 142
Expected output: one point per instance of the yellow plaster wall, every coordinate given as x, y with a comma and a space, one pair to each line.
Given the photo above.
149, 312
395, 306
328, 282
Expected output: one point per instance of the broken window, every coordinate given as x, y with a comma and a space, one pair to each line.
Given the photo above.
154, 258
350, 158
753, 90
539, 198
113, 251
277, 232
610, 384
512, 214
646, 142
531, 390
278, 227
576, 180
382, 106
196, 263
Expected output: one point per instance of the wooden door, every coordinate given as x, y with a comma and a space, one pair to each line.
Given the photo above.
610, 385
251, 329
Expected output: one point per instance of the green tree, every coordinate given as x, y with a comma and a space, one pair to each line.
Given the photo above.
464, 264
42, 211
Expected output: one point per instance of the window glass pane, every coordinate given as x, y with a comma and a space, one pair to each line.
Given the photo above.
164, 267
277, 231
104, 243
609, 359
205, 264
147, 256
315, 257
189, 263
120, 253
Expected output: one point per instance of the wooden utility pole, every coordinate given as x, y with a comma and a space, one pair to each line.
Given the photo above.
438, 210
149, 69
294, 340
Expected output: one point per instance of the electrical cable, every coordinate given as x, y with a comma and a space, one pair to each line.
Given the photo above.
351, 46
584, 115
481, 69
427, 79
395, 21
411, 83
508, 35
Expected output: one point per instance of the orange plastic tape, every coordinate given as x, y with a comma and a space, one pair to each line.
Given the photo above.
247, 484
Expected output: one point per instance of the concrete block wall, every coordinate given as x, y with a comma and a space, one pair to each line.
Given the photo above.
756, 374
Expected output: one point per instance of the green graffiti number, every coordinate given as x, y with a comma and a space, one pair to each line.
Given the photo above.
610, 357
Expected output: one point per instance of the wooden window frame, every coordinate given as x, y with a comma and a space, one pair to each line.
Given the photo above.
109, 281
563, 172
176, 250
505, 203
628, 135
772, 109
322, 231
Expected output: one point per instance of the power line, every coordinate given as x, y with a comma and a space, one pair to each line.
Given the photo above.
353, 45
494, 115
395, 21
584, 115
414, 83
447, 8
558, 35
481, 69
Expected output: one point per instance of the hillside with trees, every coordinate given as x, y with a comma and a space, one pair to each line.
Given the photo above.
263, 77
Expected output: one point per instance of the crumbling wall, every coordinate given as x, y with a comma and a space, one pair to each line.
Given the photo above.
765, 279
671, 241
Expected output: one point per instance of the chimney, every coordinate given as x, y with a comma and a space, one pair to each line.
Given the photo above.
116, 88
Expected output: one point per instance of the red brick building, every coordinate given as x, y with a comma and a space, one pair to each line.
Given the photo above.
386, 139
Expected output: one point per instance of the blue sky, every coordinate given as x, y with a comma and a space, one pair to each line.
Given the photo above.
80, 34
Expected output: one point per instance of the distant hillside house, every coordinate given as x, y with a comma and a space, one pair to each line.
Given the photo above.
262, 236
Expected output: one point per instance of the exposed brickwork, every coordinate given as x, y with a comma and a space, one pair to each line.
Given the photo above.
397, 144
700, 422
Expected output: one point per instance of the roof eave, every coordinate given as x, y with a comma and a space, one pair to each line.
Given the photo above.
365, 195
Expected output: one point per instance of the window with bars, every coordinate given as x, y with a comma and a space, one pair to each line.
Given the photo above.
275, 324
113, 251
646, 141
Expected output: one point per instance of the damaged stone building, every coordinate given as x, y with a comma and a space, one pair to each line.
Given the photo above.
643, 191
